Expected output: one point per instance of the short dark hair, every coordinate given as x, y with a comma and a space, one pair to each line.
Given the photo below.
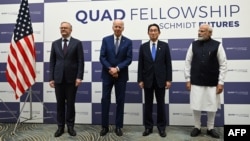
154, 24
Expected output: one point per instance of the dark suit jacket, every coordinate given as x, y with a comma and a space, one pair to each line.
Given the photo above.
109, 58
71, 65
161, 67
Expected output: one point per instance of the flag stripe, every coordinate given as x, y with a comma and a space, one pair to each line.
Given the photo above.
21, 65
16, 78
20, 70
24, 67
30, 55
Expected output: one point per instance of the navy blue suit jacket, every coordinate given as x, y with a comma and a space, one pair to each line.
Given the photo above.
161, 67
109, 58
71, 65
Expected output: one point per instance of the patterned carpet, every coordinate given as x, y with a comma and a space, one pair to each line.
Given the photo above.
45, 132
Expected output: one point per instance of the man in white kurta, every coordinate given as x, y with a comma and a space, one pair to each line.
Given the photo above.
205, 70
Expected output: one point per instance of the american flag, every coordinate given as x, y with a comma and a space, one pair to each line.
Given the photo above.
20, 71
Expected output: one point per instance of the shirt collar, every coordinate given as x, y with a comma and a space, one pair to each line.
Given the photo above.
66, 38
119, 38
151, 42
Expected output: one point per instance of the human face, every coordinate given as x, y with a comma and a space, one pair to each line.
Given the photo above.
65, 29
118, 27
153, 33
204, 33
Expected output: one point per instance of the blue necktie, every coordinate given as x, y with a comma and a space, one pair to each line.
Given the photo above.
153, 51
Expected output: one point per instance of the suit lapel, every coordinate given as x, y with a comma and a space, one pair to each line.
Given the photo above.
157, 49
112, 41
60, 50
120, 45
148, 51
70, 45
122, 41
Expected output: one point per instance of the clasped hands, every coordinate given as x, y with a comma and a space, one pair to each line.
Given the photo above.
113, 71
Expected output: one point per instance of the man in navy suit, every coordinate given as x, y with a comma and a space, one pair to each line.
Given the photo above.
115, 57
66, 74
154, 76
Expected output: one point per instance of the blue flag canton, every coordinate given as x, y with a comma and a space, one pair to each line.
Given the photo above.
23, 25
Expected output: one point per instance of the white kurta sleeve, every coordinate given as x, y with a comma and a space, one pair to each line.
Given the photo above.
188, 60
221, 55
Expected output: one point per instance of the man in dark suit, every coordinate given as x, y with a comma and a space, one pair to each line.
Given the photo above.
154, 76
66, 74
115, 57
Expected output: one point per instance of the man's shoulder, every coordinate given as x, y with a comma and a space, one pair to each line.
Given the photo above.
215, 41
74, 39
162, 42
108, 36
125, 37
59, 39
146, 43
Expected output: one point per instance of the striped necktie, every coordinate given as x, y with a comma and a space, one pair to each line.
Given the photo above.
116, 45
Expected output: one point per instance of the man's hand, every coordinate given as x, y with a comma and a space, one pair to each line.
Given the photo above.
78, 82
52, 84
168, 85
115, 75
188, 85
113, 71
141, 85
219, 89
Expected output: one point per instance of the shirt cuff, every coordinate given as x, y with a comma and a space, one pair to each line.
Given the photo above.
117, 68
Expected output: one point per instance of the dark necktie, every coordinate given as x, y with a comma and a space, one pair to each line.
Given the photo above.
65, 46
153, 51
116, 45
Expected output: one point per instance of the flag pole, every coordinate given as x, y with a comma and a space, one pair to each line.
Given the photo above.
29, 93
31, 111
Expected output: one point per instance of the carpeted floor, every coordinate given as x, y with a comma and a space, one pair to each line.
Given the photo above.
45, 132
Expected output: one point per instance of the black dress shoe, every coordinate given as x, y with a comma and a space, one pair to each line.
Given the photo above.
59, 132
71, 131
118, 131
195, 132
147, 132
104, 131
213, 133
162, 133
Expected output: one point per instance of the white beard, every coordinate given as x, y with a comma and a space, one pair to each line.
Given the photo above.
200, 38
